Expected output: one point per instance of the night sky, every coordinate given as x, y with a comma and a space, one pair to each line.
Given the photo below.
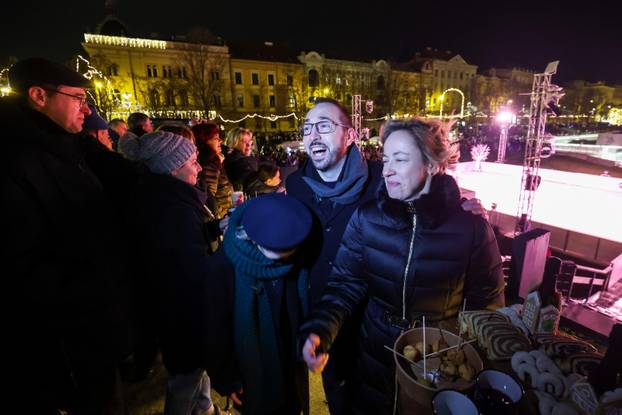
587, 40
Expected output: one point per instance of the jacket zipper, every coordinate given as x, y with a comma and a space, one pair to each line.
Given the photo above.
410, 255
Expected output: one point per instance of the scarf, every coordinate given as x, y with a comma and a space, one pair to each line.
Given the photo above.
256, 343
351, 181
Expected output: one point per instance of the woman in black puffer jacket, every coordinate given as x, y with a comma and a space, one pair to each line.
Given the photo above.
412, 252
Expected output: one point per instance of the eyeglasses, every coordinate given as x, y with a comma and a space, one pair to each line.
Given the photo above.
323, 127
80, 98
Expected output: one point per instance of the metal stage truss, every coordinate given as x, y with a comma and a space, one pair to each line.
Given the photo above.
541, 95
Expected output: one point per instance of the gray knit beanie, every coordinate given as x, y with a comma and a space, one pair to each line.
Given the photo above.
161, 151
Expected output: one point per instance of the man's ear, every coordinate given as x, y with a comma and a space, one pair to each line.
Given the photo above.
351, 136
38, 96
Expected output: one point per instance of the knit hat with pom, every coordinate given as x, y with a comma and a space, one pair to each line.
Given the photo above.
161, 151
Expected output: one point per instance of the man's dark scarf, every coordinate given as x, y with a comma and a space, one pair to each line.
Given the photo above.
351, 181
256, 343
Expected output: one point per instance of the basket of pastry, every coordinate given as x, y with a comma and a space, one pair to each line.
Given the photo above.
495, 333
557, 372
450, 363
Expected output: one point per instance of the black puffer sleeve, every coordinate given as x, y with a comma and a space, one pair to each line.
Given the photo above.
347, 286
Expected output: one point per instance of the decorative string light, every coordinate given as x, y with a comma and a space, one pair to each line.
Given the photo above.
386, 117
270, 117
91, 72
5, 88
124, 41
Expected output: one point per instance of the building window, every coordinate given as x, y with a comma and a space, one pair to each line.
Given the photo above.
442, 74
273, 125
152, 71
314, 79
292, 101
436, 73
337, 79
290, 80
256, 101
270, 79
183, 98
170, 98
272, 101
113, 70
215, 75
217, 102
255, 78
167, 71
461, 75
380, 82
154, 97
240, 99
238, 78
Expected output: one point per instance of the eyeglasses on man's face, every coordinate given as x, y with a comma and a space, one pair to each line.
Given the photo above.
323, 127
81, 98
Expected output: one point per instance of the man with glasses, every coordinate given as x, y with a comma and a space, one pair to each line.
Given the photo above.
333, 183
64, 308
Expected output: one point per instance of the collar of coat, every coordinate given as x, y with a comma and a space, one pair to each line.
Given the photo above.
29, 128
431, 209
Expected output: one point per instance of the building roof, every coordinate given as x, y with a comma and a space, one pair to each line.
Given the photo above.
429, 53
262, 51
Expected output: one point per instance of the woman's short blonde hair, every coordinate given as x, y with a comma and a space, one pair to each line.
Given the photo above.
235, 135
431, 138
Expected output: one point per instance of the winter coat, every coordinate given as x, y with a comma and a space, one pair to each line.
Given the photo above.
330, 219
453, 256
296, 379
65, 309
213, 178
172, 249
329, 224
238, 167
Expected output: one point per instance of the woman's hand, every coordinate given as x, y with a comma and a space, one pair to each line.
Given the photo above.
223, 224
475, 207
236, 397
315, 362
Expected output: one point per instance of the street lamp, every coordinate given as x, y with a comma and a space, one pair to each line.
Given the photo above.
505, 118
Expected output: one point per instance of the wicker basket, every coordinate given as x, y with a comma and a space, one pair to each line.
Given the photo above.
410, 388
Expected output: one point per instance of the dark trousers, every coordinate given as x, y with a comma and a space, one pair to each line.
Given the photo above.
335, 389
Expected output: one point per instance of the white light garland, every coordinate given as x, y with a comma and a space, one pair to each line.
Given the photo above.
124, 41
270, 117
386, 117
117, 97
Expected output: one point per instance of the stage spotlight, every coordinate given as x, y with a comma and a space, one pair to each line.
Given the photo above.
552, 99
532, 182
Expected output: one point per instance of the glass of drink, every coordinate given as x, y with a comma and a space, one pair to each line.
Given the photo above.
452, 402
237, 198
497, 393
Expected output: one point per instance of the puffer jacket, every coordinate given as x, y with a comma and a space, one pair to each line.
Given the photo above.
410, 259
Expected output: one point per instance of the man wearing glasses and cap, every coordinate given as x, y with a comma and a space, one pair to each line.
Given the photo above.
64, 308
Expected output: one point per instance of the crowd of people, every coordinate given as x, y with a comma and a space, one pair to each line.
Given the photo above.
122, 242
